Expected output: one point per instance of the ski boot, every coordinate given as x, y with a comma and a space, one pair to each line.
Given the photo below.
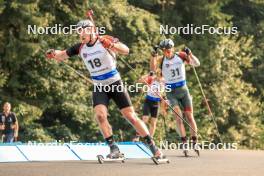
184, 147
114, 153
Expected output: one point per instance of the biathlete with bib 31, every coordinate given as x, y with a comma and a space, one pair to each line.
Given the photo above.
172, 65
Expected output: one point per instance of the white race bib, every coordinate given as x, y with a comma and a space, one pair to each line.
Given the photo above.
100, 63
173, 70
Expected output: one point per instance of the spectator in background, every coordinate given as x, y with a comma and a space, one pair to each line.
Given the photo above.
8, 124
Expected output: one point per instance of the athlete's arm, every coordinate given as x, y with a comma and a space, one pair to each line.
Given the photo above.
146, 79
193, 60
114, 45
120, 48
2, 126
142, 79
154, 62
61, 55
16, 128
189, 58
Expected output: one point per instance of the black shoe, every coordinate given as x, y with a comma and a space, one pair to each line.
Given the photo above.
159, 155
197, 148
185, 148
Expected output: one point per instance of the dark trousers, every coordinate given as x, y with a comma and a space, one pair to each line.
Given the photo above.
8, 138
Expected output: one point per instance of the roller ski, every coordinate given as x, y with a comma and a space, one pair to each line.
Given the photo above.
158, 157
101, 159
115, 155
160, 160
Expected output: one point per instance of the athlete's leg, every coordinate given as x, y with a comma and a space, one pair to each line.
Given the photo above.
191, 120
101, 118
138, 124
146, 111
188, 111
141, 128
145, 119
100, 103
152, 127
123, 101
137, 136
174, 99
179, 123
154, 111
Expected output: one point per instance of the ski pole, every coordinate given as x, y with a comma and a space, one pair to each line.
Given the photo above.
207, 104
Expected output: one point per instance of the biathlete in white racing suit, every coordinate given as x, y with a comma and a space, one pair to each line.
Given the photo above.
98, 54
152, 101
172, 65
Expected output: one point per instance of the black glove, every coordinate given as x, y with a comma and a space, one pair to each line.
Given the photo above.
187, 50
155, 50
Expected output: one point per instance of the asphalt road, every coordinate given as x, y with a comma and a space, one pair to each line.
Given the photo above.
233, 163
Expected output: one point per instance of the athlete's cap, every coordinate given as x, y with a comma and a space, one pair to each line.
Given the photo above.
84, 24
166, 44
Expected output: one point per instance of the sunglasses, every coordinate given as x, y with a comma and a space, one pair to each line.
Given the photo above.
168, 46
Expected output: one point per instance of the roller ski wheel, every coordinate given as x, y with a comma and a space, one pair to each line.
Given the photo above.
100, 159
